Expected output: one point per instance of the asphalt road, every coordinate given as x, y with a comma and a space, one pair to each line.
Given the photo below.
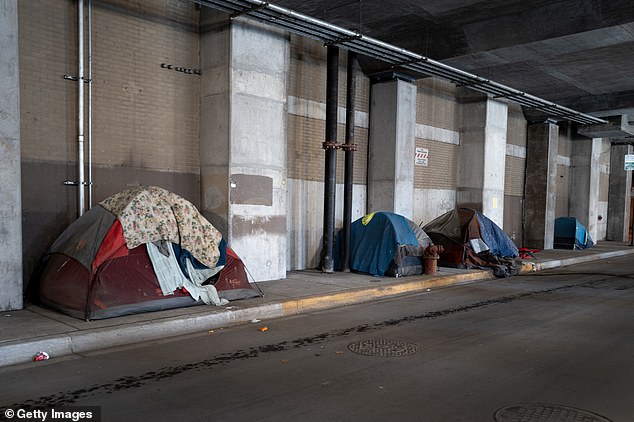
553, 343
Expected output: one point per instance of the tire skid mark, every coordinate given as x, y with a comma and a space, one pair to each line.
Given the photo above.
137, 381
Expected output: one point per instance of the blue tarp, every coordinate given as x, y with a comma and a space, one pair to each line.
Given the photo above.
571, 234
373, 244
495, 238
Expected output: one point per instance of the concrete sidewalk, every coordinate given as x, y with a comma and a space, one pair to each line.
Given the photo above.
26, 332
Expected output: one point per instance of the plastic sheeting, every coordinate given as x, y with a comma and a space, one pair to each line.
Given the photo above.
495, 238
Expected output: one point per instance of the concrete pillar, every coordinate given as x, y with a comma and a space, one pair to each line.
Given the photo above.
243, 138
482, 156
541, 185
581, 155
392, 147
600, 178
589, 173
10, 184
619, 195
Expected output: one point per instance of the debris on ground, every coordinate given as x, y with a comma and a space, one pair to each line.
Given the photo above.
40, 356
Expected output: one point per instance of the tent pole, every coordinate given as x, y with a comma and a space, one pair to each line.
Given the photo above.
349, 147
330, 146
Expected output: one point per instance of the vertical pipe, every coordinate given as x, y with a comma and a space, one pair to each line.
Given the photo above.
330, 145
349, 148
89, 39
80, 124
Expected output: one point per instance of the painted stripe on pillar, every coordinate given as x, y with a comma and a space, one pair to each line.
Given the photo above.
516, 151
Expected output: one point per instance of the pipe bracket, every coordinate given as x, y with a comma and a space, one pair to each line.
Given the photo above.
348, 147
330, 145
343, 40
260, 6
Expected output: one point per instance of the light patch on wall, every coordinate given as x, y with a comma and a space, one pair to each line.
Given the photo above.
262, 225
437, 134
251, 189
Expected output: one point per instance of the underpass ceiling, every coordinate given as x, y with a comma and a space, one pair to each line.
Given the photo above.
577, 53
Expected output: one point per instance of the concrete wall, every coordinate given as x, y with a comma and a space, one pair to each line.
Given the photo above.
564, 163
305, 219
145, 115
515, 173
10, 198
437, 131
262, 127
305, 157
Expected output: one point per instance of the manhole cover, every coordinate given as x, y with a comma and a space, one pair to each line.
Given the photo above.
545, 413
383, 348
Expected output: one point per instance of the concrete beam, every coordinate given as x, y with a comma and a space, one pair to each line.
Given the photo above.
616, 128
619, 102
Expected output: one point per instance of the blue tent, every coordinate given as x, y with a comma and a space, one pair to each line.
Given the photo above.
571, 234
384, 243
495, 238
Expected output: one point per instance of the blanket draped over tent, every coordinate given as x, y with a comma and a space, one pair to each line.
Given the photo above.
140, 250
149, 214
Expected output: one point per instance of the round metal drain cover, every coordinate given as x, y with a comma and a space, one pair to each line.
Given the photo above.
545, 413
383, 348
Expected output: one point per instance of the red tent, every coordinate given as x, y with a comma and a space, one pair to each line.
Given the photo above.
94, 270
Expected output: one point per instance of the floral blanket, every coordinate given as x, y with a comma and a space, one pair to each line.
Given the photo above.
148, 214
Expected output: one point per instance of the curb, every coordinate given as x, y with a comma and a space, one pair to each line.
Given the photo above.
360, 295
528, 267
83, 341
22, 351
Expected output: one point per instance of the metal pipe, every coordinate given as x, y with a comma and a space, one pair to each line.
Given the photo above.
349, 148
81, 202
396, 56
330, 145
89, 39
